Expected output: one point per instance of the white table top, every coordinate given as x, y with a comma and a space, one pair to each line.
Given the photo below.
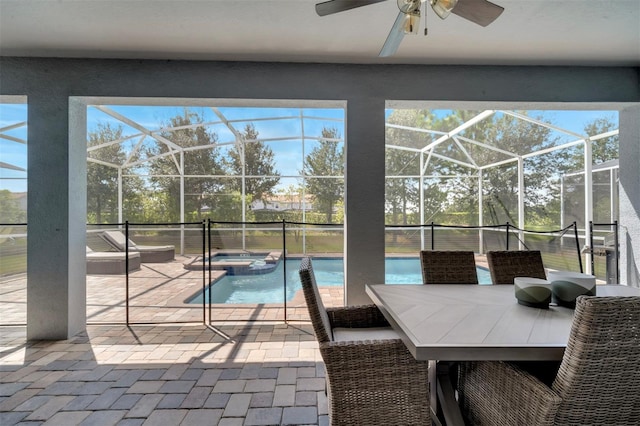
476, 322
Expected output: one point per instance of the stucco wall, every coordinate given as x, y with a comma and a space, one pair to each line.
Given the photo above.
630, 196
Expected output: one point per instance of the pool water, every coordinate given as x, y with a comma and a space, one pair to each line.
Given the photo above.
269, 288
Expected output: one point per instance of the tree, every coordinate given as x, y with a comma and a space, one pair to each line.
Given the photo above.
321, 166
602, 149
164, 167
402, 196
607, 148
102, 179
10, 211
229, 207
251, 157
402, 192
500, 184
456, 192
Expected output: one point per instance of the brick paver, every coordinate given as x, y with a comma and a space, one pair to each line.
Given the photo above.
115, 375
233, 372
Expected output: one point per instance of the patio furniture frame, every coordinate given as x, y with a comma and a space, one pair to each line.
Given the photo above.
448, 267
148, 254
111, 262
598, 381
369, 381
504, 266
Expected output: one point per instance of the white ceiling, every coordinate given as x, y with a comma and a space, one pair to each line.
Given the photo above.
529, 32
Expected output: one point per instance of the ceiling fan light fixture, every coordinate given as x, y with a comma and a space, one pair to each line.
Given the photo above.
411, 22
443, 8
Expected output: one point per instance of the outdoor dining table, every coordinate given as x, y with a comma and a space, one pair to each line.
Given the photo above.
461, 322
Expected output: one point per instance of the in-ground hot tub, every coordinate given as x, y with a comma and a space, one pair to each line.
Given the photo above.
239, 263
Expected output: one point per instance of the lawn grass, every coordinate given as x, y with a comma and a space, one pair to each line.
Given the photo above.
13, 264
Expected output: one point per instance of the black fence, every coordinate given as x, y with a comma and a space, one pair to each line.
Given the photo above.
176, 288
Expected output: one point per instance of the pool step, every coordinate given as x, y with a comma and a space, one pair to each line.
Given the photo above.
273, 257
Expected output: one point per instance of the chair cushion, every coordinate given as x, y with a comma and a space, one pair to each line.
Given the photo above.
342, 334
118, 239
110, 255
152, 248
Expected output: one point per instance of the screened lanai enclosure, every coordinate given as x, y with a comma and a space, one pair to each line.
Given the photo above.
479, 180
226, 183
246, 168
534, 172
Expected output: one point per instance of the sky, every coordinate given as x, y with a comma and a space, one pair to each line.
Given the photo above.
281, 127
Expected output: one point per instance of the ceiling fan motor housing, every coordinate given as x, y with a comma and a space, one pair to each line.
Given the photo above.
409, 6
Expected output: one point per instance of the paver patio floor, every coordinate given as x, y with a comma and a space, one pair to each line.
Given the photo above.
177, 371
246, 367
234, 374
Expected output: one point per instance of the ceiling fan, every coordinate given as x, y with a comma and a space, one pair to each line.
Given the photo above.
481, 12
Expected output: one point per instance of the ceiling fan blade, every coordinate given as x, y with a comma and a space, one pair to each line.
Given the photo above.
394, 38
481, 12
335, 6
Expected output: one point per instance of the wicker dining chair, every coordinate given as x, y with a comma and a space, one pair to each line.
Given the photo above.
598, 382
372, 379
448, 267
504, 266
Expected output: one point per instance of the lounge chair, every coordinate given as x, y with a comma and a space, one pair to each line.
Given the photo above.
111, 262
448, 267
506, 265
372, 378
148, 254
598, 381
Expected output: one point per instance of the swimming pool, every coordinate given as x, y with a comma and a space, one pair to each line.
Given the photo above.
269, 288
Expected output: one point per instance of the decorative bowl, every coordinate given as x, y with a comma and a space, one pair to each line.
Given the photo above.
567, 286
532, 292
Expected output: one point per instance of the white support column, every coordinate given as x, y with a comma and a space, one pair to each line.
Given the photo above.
612, 195
521, 201
562, 225
480, 213
120, 215
421, 189
302, 188
240, 144
588, 197
182, 202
